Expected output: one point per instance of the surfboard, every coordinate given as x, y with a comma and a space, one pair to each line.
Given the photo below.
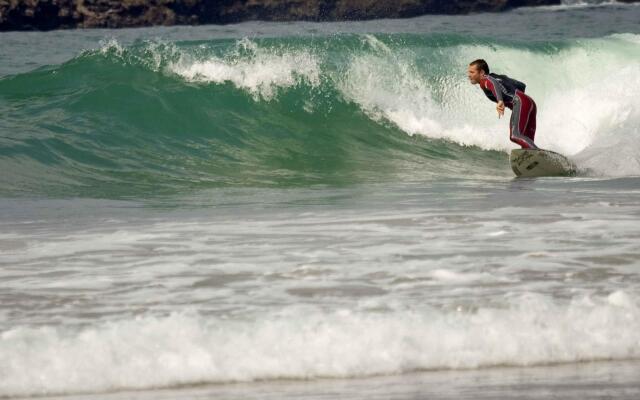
539, 162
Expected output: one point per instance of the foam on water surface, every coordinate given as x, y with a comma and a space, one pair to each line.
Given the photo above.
303, 343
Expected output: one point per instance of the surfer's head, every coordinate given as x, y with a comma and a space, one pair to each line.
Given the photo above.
477, 69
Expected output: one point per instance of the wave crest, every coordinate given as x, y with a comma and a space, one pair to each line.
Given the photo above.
303, 343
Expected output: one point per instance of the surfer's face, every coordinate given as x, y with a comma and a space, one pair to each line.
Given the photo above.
474, 74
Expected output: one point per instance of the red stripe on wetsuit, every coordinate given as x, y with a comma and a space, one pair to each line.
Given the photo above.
522, 127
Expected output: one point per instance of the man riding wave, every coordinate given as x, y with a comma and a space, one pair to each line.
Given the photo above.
508, 92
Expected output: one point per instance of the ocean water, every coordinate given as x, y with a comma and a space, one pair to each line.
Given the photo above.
319, 210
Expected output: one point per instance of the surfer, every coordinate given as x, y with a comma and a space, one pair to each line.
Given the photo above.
508, 92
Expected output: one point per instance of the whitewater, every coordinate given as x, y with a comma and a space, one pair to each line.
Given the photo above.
303, 210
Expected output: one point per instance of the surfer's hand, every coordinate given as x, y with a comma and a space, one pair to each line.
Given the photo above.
500, 108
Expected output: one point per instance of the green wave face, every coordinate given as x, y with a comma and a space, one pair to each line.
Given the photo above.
161, 117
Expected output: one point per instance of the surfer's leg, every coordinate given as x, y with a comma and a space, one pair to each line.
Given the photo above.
531, 126
521, 119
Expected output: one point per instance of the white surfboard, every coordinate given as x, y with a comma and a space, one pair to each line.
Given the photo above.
538, 162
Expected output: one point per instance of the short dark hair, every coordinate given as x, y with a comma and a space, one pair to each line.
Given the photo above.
481, 64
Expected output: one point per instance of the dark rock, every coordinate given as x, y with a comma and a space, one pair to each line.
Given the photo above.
57, 14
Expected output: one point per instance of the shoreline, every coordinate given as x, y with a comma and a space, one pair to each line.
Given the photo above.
589, 380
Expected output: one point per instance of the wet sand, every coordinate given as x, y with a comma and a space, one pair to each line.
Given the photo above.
597, 380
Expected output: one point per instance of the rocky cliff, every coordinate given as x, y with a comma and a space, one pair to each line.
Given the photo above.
56, 14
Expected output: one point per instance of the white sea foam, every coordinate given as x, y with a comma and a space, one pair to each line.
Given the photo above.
578, 4
304, 342
584, 3
391, 86
260, 71
111, 46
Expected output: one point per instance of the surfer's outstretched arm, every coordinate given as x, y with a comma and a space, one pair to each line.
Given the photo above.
494, 86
